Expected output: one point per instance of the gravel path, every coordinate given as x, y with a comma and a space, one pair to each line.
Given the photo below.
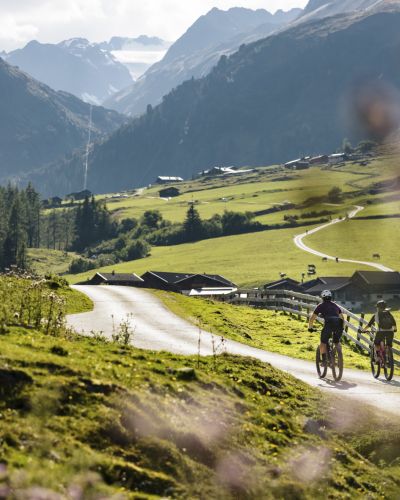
298, 241
158, 329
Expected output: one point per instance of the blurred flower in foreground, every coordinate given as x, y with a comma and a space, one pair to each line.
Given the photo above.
374, 109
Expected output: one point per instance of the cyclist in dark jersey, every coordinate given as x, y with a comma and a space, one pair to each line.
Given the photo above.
385, 324
333, 325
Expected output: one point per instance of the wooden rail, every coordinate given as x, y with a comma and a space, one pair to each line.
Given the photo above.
302, 306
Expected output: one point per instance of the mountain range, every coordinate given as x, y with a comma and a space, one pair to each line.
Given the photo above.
195, 53
318, 9
140, 42
76, 66
38, 125
137, 54
286, 95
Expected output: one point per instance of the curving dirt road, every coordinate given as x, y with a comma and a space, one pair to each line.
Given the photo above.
157, 328
298, 241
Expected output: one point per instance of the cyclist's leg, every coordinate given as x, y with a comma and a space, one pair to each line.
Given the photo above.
337, 337
325, 335
379, 344
389, 336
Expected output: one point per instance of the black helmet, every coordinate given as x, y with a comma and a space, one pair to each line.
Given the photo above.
381, 304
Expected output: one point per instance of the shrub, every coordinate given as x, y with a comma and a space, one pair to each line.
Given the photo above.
137, 250
81, 265
335, 195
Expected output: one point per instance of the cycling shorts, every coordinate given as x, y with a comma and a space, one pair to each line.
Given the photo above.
333, 327
382, 336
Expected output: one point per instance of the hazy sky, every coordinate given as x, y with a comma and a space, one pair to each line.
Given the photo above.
55, 20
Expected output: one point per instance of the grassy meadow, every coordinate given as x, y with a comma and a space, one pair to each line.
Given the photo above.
247, 259
45, 261
360, 239
253, 194
253, 259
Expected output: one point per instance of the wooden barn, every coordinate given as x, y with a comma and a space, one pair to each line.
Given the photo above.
116, 279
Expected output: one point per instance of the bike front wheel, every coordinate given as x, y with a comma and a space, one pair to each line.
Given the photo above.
388, 367
337, 363
375, 363
321, 368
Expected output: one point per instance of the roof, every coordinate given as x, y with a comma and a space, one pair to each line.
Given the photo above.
166, 178
379, 277
293, 161
211, 291
215, 277
120, 277
282, 284
173, 278
333, 283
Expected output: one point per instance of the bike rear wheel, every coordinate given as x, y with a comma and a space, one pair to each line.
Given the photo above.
337, 363
375, 364
388, 367
321, 369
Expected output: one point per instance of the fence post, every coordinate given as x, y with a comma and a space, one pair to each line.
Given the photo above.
360, 326
346, 328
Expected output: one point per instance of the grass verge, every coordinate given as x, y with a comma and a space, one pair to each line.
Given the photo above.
84, 418
76, 302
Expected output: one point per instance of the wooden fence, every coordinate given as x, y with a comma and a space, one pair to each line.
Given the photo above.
302, 305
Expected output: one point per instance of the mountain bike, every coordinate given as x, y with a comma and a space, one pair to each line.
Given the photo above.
334, 361
382, 357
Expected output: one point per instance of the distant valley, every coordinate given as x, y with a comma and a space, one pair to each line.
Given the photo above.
279, 98
91, 71
39, 125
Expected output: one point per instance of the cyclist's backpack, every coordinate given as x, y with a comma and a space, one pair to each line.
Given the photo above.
384, 320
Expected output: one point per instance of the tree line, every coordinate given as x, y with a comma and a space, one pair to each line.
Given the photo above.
19, 224
24, 224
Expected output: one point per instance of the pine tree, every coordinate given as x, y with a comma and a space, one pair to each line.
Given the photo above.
15, 242
193, 225
33, 216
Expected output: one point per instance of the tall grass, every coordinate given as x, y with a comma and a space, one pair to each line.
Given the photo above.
31, 302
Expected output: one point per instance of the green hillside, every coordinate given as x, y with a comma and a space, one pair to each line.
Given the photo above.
254, 192
255, 258
80, 415
367, 238
247, 259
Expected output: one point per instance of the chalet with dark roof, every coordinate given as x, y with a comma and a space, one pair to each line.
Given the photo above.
378, 284
188, 283
334, 284
360, 291
127, 279
285, 284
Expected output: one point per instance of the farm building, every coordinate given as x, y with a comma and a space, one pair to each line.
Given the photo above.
299, 164
337, 158
169, 192
362, 290
284, 284
161, 179
116, 279
218, 171
81, 195
378, 285
188, 283
319, 160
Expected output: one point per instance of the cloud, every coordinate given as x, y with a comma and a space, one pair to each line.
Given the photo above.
55, 20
